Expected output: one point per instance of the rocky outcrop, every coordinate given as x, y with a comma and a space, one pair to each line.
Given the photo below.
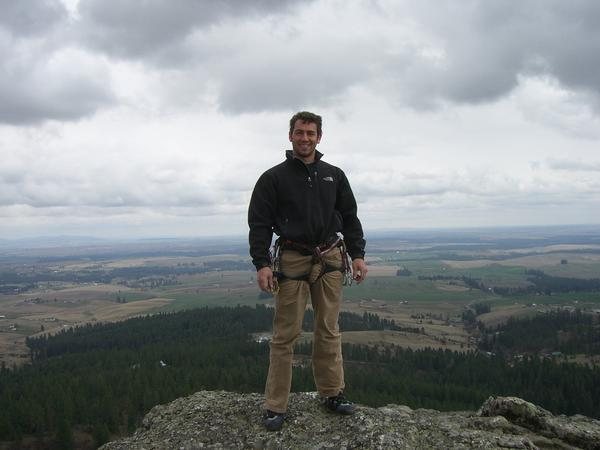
225, 420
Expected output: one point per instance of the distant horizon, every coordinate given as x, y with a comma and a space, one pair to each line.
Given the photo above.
375, 233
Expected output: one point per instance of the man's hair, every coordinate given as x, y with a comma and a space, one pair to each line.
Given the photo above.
307, 117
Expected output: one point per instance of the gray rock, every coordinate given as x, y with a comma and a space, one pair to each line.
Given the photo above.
225, 420
577, 430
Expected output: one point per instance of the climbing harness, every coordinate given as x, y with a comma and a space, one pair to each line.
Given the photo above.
275, 257
319, 266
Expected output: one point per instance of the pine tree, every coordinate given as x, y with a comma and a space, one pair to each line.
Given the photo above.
64, 435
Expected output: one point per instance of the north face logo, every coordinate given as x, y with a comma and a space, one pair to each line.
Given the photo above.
328, 179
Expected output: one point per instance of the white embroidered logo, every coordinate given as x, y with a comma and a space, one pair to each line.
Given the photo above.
328, 179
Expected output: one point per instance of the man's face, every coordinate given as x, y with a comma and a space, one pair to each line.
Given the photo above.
304, 139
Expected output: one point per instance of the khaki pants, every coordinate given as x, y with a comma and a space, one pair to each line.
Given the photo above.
290, 303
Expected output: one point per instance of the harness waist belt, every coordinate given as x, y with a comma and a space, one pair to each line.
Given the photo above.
307, 249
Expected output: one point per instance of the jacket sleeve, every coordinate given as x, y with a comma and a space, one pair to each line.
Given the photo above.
351, 228
261, 219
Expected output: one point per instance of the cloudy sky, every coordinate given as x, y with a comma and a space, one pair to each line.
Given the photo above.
155, 118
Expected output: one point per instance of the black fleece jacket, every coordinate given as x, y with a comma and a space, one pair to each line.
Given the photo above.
303, 203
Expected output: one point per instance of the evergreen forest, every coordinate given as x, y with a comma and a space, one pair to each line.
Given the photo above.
101, 379
564, 331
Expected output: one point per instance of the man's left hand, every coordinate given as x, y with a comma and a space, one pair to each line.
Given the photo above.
359, 270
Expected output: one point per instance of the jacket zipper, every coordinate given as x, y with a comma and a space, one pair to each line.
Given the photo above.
308, 178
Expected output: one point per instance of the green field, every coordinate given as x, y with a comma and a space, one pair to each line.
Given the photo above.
457, 269
398, 289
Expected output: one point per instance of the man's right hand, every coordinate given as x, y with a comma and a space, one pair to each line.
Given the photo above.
264, 277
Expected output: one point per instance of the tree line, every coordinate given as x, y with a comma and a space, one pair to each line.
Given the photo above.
19, 279
568, 332
539, 283
547, 284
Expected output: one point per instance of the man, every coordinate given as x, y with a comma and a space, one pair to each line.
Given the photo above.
306, 202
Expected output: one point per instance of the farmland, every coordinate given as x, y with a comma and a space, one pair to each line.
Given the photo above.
422, 280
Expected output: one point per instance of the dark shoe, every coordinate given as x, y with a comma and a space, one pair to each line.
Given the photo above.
273, 421
339, 404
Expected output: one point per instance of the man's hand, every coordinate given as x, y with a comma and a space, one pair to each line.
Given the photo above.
359, 270
264, 277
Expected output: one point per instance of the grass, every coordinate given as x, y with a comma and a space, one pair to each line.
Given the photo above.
212, 298
397, 289
574, 270
219, 288
135, 296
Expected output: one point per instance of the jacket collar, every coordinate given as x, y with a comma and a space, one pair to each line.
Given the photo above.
289, 154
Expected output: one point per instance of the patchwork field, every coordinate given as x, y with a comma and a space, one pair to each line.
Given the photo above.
421, 283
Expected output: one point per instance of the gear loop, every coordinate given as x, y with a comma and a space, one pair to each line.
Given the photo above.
318, 253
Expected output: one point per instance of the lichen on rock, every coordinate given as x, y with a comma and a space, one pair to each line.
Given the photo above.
226, 420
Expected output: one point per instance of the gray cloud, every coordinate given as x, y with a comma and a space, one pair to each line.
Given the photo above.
31, 17
264, 80
106, 181
27, 107
490, 187
43, 76
415, 54
260, 64
143, 29
40, 191
574, 165
575, 39
485, 46
36, 86
463, 52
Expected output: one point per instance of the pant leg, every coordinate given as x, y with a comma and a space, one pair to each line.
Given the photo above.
326, 295
290, 304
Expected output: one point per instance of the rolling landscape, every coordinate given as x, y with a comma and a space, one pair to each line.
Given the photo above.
514, 296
